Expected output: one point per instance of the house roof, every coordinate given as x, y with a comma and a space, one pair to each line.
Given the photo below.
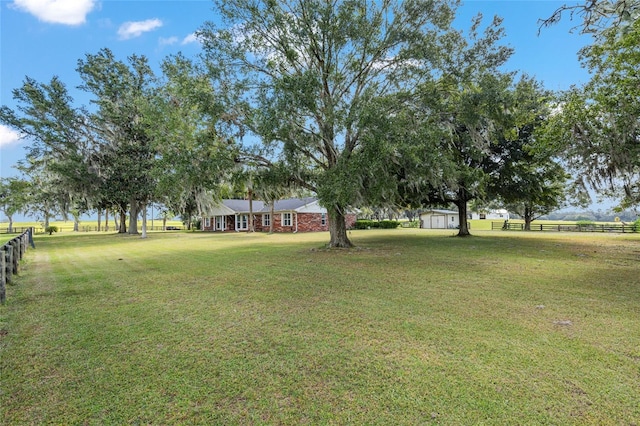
241, 206
440, 212
233, 206
290, 204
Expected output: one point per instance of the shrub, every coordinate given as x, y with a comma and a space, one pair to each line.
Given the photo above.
585, 223
389, 224
384, 224
364, 224
51, 229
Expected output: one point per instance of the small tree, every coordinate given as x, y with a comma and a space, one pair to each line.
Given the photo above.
14, 197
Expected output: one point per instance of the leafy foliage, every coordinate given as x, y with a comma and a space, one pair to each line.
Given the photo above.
125, 154
598, 16
599, 125
195, 150
14, 197
452, 121
310, 73
526, 177
51, 229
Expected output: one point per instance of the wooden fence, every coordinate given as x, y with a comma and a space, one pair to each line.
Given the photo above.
11, 253
40, 230
20, 230
509, 226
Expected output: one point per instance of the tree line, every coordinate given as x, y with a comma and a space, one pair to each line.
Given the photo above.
365, 103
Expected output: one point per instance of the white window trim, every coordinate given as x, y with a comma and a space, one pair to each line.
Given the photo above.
207, 222
290, 219
266, 219
223, 222
239, 222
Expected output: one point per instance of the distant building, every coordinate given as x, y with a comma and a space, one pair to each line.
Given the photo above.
439, 219
499, 214
290, 215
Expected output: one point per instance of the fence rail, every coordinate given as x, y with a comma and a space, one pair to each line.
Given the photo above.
11, 253
40, 230
20, 230
566, 227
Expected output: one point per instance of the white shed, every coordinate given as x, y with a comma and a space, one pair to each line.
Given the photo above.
439, 219
499, 214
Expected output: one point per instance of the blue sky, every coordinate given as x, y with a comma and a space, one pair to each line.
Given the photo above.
43, 38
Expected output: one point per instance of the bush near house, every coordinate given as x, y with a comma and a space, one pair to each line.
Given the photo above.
376, 224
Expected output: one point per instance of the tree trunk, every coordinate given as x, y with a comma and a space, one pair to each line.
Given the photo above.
461, 203
164, 223
122, 228
527, 219
10, 230
251, 226
99, 219
106, 220
271, 216
76, 223
144, 222
133, 217
46, 220
338, 229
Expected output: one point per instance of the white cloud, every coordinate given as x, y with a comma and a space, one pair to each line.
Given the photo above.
8, 136
167, 41
67, 12
133, 29
191, 38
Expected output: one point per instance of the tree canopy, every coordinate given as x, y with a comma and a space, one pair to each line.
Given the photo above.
598, 125
309, 71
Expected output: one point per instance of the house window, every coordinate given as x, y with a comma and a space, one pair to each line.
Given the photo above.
220, 223
266, 220
323, 220
483, 216
242, 222
207, 222
286, 219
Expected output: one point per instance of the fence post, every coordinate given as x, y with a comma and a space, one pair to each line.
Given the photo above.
8, 255
21, 245
16, 255
32, 231
3, 276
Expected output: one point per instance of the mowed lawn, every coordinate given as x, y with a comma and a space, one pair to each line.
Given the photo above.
411, 327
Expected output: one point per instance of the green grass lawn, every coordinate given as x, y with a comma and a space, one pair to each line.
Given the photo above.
411, 327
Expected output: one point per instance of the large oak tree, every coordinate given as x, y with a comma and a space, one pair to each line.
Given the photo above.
308, 71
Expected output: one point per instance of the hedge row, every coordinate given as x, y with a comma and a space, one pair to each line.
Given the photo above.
368, 224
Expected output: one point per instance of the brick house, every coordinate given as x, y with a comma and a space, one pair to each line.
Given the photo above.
290, 215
